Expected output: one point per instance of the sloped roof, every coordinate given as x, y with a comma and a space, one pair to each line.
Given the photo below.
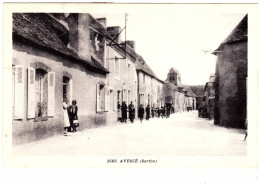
45, 31
174, 70
140, 63
169, 88
239, 33
198, 90
189, 91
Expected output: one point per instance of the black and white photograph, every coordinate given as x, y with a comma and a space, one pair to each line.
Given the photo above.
131, 84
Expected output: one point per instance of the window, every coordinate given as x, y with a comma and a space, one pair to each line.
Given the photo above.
117, 68
100, 97
124, 96
129, 72
67, 88
118, 99
143, 78
41, 94
128, 97
111, 100
18, 88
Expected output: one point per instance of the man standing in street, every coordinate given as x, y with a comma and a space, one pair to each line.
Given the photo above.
124, 111
141, 113
147, 111
131, 109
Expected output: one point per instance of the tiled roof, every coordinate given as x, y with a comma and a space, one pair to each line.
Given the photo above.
174, 70
198, 90
140, 63
239, 33
45, 31
169, 88
189, 91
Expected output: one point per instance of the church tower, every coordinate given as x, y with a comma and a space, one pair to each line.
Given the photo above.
174, 77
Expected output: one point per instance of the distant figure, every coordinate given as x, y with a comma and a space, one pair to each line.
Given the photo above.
172, 109
73, 115
124, 112
163, 111
246, 130
168, 111
153, 111
147, 111
65, 115
158, 112
131, 109
141, 113
119, 114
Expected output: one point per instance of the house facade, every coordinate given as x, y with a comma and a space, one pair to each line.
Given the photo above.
52, 62
209, 97
122, 80
149, 86
230, 81
179, 96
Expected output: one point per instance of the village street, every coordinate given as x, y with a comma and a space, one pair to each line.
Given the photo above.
183, 134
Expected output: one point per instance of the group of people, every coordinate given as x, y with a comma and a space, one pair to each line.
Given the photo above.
148, 112
70, 116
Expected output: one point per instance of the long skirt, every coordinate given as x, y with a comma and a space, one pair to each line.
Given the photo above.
66, 118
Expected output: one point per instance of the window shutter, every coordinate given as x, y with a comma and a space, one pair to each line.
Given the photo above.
98, 104
51, 93
31, 93
71, 90
106, 98
19, 92
115, 100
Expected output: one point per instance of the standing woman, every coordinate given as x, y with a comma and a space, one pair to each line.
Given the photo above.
124, 111
73, 110
141, 113
66, 116
147, 110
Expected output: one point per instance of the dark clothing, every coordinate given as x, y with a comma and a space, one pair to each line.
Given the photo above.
131, 109
147, 110
141, 112
159, 112
124, 112
73, 115
153, 112
163, 112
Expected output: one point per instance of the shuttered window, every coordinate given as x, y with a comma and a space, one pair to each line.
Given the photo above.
31, 93
51, 93
19, 92
106, 98
97, 100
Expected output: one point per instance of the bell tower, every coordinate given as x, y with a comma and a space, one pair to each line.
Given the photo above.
174, 77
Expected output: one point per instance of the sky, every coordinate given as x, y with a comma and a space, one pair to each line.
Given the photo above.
177, 40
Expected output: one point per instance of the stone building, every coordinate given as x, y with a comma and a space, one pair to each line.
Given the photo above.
209, 97
56, 56
230, 81
179, 96
198, 90
149, 86
122, 79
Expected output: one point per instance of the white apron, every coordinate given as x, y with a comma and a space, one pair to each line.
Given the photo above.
66, 116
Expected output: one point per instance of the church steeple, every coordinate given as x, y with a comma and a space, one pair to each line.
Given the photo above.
174, 77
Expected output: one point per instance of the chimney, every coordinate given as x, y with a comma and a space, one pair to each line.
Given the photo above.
113, 31
102, 21
79, 34
131, 43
